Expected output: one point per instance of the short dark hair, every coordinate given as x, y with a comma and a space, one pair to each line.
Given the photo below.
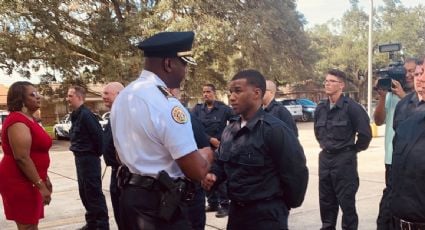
411, 59
79, 91
16, 95
338, 73
253, 77
211, 86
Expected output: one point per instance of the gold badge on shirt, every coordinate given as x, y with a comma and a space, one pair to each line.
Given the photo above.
178, 115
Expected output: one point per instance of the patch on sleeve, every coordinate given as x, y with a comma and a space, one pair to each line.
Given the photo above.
178, 115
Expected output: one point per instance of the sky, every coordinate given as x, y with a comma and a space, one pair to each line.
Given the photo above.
315, 11
320, 11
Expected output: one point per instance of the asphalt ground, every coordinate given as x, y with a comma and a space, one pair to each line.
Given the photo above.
67, 212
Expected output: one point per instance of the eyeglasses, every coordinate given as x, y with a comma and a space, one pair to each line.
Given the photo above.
331, 81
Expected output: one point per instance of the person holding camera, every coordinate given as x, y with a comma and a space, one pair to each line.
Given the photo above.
389, 96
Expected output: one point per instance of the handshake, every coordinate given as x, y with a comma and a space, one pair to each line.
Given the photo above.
208, 181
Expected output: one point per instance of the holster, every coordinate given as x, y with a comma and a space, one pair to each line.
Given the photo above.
172, 195
123, 176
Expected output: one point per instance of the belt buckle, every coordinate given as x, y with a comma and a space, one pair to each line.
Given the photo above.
406, 225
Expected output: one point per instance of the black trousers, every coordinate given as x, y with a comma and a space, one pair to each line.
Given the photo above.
115, 196
90, 190
196, 209
218, 196
385, 218
261, 215
139, 207
338, 185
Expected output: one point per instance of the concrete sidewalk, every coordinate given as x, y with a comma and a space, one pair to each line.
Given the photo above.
66, 211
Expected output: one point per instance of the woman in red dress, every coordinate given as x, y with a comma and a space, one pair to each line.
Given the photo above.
24, 185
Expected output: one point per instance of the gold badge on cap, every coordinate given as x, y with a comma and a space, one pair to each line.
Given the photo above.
178, 115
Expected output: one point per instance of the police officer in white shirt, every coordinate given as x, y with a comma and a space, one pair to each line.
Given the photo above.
152, 132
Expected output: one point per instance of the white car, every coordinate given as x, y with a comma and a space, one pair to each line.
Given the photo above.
3, 115
61, 129
294, 108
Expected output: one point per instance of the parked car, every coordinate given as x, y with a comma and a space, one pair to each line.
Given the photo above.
61, 129
309, 107
294, 108
3, 115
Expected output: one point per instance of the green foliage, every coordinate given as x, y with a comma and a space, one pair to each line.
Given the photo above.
343, 43
95, 40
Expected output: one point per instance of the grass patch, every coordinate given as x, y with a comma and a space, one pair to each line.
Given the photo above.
49, 130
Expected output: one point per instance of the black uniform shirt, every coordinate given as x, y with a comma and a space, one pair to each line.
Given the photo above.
199, 132
336, 128
278, 110
262, 160
108, 149
408, 169
85, 133
214, 119
405, 107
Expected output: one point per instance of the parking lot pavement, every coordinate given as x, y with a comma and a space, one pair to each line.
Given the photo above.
66, 211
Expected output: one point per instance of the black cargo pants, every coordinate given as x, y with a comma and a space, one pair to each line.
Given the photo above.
338, 185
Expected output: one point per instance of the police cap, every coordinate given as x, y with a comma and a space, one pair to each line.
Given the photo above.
169, 44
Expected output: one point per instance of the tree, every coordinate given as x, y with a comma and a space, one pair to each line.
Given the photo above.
343, 43
98, 37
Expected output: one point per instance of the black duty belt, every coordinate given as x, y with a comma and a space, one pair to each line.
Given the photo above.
145, 182
334, 151
407, 225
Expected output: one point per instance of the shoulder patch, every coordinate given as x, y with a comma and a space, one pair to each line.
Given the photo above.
165, 91
178, 115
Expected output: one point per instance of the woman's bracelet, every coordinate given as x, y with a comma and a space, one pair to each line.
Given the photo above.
38, 183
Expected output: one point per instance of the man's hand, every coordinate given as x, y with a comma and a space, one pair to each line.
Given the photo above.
381, 93
214, 142
208, 181
397, 89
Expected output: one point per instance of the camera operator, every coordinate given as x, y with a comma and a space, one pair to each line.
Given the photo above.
384, 114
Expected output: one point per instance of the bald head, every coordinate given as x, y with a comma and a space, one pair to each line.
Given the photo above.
270, 93
110, 91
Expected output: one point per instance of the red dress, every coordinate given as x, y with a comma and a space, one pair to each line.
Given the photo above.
22, 201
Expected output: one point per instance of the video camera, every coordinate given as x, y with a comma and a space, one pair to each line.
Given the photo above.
394, 71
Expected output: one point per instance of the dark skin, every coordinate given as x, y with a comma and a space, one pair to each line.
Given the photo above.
20, 140
172, 71
245, 100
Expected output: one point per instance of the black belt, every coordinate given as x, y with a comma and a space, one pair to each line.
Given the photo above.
407, 225
334, 151
145, 182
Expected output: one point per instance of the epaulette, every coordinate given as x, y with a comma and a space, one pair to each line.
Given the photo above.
165, 91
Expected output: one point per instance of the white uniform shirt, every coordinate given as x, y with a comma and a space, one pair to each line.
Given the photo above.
150, 130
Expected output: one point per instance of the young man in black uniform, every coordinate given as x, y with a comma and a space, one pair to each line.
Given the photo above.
86, 144
214, 115
260, 159
337, 122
